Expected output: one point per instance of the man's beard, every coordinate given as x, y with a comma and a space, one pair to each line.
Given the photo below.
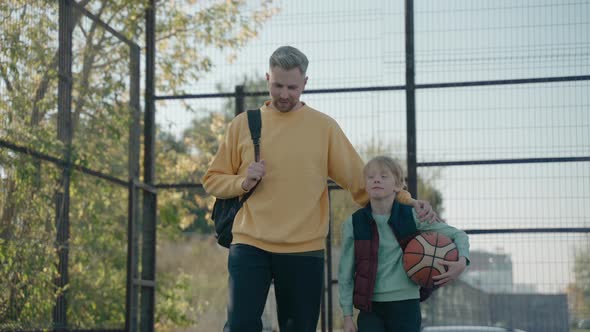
284, 107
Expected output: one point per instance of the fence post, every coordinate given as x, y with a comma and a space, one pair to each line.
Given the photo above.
240, 103
411, 99
328, 254
132, 296
148, 245
64, 134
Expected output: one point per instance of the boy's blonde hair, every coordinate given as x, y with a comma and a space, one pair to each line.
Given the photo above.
390, 164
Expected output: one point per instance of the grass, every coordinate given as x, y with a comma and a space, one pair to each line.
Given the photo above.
201, 265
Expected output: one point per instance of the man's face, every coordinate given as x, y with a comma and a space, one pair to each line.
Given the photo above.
285, 87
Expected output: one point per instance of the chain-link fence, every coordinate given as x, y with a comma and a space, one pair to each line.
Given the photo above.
498, 113
487, 103
69, 108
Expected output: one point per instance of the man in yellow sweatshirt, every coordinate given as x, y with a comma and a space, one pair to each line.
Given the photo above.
279, 234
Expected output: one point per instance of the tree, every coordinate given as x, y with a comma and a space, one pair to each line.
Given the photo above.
186, 158
186, 30
579, 290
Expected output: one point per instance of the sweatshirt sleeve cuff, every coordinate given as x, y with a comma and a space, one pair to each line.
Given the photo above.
347, 310
404, 197
463, 252
467, 261
238, 184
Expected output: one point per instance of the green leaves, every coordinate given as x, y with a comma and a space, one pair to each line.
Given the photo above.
188, 30
101, 120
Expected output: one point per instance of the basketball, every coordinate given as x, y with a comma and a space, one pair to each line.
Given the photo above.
423, 254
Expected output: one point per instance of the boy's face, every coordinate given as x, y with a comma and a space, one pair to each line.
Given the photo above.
285, 87
380, 182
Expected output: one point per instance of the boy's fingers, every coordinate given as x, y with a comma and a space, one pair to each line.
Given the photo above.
441, 283
442, 276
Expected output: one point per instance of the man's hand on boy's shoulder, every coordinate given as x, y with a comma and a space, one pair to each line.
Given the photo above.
425, 212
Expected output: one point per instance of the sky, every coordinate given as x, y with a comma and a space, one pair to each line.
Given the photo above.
361, 44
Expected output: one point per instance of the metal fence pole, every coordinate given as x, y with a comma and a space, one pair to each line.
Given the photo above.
132, 293
240, 102
323, 309
64, 134
329, 265
148, 247
411, 99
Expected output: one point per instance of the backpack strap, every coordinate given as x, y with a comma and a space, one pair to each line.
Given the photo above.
255, 125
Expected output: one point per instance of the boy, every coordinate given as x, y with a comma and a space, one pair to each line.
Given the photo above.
393, 303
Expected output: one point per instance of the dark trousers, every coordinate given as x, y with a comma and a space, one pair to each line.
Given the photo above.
298, 289
398, 316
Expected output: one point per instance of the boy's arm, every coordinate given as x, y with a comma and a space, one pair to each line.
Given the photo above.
221, 179
458, 236
346, 268
461, 240
454, 270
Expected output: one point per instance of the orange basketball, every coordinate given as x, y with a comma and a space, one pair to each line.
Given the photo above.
423, 254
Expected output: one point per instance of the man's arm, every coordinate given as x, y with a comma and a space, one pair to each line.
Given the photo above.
221, 179
423, 209
345, 167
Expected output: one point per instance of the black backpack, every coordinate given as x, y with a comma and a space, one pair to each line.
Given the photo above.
225, 210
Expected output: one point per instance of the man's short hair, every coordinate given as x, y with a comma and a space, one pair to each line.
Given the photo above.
287, 58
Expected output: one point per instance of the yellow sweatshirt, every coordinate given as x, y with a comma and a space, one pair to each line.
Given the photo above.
288, 211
